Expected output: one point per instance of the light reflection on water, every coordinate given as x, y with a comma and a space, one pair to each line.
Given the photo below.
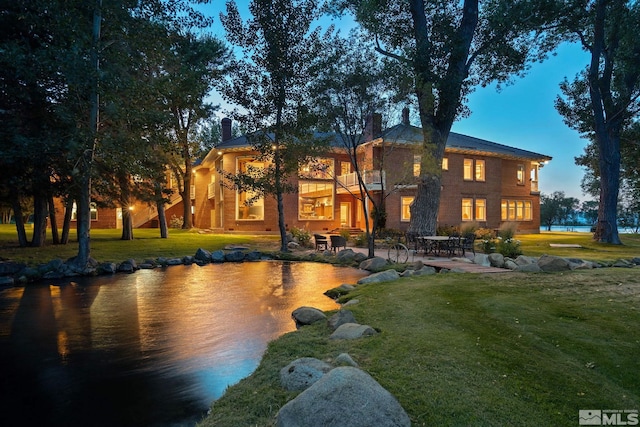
150, 348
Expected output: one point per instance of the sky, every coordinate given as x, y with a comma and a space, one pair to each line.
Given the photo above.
520, 115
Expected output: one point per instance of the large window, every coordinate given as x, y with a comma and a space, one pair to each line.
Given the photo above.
319, 168
417, 158
474, 209
445, 163
249, 205
479, 170
468, 169
92, 207
516, 210
473, 170
315, 200
405, 211
520, 174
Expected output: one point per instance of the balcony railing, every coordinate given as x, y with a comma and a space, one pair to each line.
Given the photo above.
211, 191
373, 179
534, 187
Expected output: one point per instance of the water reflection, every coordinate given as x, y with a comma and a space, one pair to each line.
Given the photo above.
152, 348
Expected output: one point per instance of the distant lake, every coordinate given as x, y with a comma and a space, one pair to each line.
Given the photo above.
580, 229
152, 348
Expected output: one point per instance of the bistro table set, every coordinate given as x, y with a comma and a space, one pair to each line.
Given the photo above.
454, 245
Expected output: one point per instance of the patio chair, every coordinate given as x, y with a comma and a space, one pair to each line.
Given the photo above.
338, 242
453, 245
468, 243
322, 244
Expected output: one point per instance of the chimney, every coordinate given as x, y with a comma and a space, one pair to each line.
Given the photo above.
373, 126
226, 129
405, 116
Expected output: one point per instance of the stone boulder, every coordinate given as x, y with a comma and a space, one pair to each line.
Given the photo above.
253, 256
9, 268
107, 268
526, 260
234, 256
425, 271
346, 255
345, 396
551, 263
203, 255
529, 268
623, 263
217, 256
341, 290
373, 264
383, 276
174, 261
344, 359
482, 259
6, 281
359, 257
496, 260
307, 315
340, 318
352, 331
302, 373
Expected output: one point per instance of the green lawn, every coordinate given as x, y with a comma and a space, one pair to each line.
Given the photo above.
107, 246
476, 350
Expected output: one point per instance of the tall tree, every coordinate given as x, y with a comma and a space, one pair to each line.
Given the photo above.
449, 47
270, 84
605, 98
190, 71
350, 92
557, 208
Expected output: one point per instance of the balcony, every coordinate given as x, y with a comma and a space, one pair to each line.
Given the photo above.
211, 191
373, 179
534, 187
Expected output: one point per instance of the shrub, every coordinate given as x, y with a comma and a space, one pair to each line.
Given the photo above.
346, 234
486, 240
360, 240
467, 228
176, 222
302, 236
507, 245
447, 230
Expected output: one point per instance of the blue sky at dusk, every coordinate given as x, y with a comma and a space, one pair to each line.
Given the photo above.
520, 115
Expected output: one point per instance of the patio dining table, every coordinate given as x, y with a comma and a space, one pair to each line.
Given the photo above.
436, 245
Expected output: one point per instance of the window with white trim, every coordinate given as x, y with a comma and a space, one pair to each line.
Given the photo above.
516, 210
405, 209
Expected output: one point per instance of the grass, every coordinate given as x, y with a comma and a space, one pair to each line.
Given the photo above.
455, 349
482, 350
106, 245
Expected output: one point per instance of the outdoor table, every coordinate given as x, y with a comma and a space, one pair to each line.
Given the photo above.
435, 244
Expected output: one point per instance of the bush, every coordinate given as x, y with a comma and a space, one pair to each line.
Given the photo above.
447, 230
302, 236
360, 240
346, 234
176, 222
486, 240
507, 245
467, 228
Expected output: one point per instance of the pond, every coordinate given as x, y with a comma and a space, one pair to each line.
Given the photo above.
153, 348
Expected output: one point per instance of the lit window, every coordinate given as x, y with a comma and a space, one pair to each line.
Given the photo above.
467, 209
481, 210
445, 163
345, 168
479, 170
249, 204
315, 200
406, 208
320, 168
521, 174
468, 170
517, 210
93, 208
416, 164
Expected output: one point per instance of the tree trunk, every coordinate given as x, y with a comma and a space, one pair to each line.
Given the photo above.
162, 220
17, 215
66, 222
608, 125
127, 224
39, 221
187, 222
52, 220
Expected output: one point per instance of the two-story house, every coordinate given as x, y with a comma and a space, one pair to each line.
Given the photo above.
482, 181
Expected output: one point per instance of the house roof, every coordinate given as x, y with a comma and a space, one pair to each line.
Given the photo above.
407, 134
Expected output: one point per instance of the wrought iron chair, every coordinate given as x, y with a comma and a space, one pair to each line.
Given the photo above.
338, 242
322, 244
